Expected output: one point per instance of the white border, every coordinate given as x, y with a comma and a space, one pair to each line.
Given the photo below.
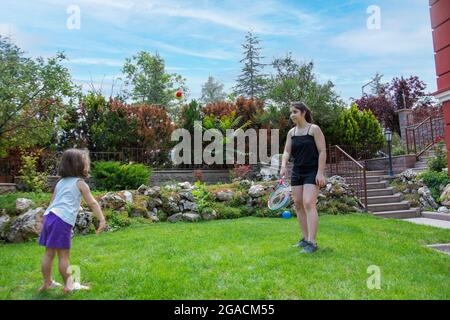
443, 96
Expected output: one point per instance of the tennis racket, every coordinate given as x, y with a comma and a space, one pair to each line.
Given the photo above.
280, 196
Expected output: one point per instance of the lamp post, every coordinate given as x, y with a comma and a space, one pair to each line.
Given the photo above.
388, 137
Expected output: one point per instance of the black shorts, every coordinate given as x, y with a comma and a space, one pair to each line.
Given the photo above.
301, 177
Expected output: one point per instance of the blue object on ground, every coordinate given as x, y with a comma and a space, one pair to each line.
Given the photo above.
286, 215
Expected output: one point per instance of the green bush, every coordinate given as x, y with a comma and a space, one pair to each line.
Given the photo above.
435, 181
117, 220
438, 162
113, 176
226, 212
398, 148
30, 177
203, 198
343, 205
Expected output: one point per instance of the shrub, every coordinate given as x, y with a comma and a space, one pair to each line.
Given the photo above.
343, 205
226, 212
398, 148
438, 162
435, 181
240, 172
113, 176
31, 178
203, 198
117, 220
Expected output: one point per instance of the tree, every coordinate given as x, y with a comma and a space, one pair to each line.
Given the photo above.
212, 91
251, 82
399, 94
294, 81
150, 83
32, 97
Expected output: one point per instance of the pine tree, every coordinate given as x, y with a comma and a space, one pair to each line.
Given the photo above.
212, 91
251, 82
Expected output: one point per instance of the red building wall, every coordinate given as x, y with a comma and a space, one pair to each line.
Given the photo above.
440, 23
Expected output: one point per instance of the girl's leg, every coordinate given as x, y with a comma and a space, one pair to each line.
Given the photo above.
310, 192
63, 256
297, 194
46, 267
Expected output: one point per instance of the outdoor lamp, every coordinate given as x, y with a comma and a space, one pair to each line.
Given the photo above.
388, 137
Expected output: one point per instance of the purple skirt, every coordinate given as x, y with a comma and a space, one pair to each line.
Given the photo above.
55, 234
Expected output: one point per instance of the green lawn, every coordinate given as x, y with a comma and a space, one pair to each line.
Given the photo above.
248, 258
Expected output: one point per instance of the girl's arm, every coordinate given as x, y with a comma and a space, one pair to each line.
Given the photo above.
92, 203
286, 153
319, 138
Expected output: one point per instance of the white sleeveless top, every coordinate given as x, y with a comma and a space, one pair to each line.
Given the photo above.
67, 200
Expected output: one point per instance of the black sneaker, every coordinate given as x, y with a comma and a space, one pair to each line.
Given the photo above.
301, 244
310, 248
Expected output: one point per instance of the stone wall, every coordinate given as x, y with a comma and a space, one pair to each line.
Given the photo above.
7, 187
208, 176
399, 163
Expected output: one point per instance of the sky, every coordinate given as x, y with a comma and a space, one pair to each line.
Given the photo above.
347, 40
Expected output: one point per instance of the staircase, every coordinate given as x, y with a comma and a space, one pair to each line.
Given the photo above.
382, 201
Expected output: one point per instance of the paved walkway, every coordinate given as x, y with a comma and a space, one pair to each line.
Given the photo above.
430, 222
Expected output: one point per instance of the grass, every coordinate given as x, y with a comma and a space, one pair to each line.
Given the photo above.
248, 258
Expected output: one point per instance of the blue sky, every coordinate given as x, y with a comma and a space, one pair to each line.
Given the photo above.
202, 38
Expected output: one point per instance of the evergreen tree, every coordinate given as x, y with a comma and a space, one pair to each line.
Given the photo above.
251, 82
212, 91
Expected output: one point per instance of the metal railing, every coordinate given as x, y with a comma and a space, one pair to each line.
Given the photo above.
342, 164
421, 137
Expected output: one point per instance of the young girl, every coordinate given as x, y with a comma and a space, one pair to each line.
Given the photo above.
60, 216
306, 143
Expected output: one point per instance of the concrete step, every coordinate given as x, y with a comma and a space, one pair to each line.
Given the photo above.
399, 214
371, 173
385, 199
380, 192
369, 179
436, 215
377, 185
382, 207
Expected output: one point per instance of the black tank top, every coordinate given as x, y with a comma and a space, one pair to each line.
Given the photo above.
304, 151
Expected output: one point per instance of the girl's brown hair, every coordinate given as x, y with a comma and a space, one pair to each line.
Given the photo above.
74, 163
304, 109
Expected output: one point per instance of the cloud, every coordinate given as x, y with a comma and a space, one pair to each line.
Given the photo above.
96, 61
383, 42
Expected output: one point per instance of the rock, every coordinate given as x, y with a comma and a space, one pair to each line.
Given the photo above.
256, 191
245, 183
23, 204
445, 196
187, 195
171, 206
190, 206
138, 212
185, 185
337, 187
153, 203
408, 175
128, 196
26, 226
444, 210
426, 199
209, 215
148, 191
84, 223
4, 222
175, 217
224, 195
112, 201
191, 217
153, 217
